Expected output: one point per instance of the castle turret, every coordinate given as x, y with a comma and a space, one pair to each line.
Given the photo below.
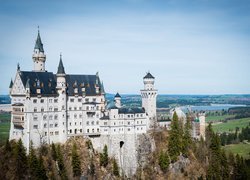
149, 95
117, 100
62, 99
39, 57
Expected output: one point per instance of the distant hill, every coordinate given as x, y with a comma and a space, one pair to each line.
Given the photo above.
4, 99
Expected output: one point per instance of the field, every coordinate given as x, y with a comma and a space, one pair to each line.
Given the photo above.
230, 125
4, 127
241, 149
218, 118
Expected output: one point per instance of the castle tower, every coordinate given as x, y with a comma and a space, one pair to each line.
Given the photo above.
149, 95
39, 57
62, 99
117, 100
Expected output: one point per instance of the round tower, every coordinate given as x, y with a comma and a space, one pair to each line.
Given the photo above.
39, 57
149, 94
62, 100
117, 100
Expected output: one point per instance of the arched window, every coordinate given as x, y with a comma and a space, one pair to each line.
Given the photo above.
44, 117
56, 117
45, 125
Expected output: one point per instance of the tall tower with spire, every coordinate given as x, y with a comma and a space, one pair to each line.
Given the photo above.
62, 99
149, 94
39, 57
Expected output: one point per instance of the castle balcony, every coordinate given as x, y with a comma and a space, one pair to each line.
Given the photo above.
18, 109
18, 120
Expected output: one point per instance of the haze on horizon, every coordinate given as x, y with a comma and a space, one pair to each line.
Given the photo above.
190, 46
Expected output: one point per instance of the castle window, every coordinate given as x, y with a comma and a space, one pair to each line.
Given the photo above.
56, 124
87, 123
80, 108
56, 117
97, 122
71, 100
50, 117
141, 122
44, 117
70, 131
128, 129
35, 127
93, 123
93, 130
70, 124
80, 130
79, 100
45, 133
50, 100
55, 100
51, 133
87, 108
69, 108
62, 107
35, 118
97, 129
35, 109
42, 109
128, 116
141, 115
80, 115
75, 123
56, 132
34, 101
80, 123
87, 130
114, 130
87, 100
42, 101
128, 123
114, 123
56, 109
105, 123
94, 99
50, 108
75, 116
137, 122
51, 125
75, 108
45, 125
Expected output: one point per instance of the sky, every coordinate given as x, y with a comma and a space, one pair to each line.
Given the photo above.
189, 46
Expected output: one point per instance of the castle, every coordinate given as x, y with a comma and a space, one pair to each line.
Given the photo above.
48, 107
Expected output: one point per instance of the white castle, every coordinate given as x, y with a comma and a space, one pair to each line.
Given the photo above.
49, 107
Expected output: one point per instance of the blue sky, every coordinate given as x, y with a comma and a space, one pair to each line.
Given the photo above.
190, 46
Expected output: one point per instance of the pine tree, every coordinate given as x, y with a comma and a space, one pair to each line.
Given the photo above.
20, 169
60, 162
32, 162
187, 139
53, 153
163, 161
41, 171
174, 139
7, 146
115, 168
76, 163
104, 157
224, 165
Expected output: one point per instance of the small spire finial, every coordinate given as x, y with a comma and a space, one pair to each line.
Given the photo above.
18, 66
60, 55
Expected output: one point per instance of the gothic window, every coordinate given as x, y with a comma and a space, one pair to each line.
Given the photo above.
56, 124
75, 116
75, 108
80, 130
56, 109
35, 127
87, 130
56, 117
34, 101
35, 118
45, 125
42, 100
71, 100
87, 123
92, 122
55, 100
35, 109
50, 117
42, 109
69, 108
70, 131
56, 132
44, 117
50, 108
97, 122
80, 115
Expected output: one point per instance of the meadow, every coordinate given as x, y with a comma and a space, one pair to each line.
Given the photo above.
230, 125
4, 127
243, 149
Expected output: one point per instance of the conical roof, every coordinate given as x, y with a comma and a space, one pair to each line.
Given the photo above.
117, 95
60, 69
11, 84
39, 44
148, 76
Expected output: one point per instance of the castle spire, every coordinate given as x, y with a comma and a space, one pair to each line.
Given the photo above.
60, 69
11, 84
39, 44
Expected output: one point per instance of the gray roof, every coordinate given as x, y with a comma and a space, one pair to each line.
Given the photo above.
148, 76
117, 95
39, 44
44, 80
86, 81
131, 110
11, 84
60, 69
